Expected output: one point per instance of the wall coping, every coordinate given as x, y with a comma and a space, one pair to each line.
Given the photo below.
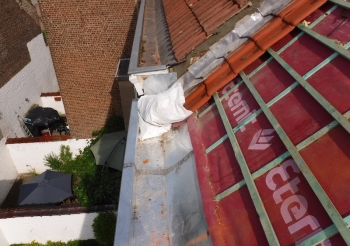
52, 211
50, 94
38, 139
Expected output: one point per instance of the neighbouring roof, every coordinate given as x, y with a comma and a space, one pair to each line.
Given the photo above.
190, 22
168, 30
272, 144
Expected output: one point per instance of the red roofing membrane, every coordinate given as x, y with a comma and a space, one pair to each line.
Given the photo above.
190, 22
294, 210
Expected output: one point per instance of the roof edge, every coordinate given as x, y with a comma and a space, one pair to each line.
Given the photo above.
134, 67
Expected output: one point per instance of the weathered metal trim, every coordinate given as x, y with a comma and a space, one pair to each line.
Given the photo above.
341, 3
135, 52
323, 235
124, 222
264, 219
326, 41
146, 69
314, 184
314, 93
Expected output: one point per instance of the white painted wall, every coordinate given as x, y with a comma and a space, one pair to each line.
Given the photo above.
41, 229
49, 102
36, 77
3, 240
27, 156
8, 171
42, 65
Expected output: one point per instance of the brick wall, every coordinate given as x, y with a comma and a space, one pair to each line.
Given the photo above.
17, 28
86, 40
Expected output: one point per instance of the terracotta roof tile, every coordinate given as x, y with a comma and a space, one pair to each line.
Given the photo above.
274, 30
190, 22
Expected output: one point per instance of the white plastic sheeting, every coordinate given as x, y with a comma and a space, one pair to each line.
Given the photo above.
158, 83
158, 112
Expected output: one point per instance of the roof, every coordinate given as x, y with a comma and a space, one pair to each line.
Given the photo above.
225, 64
271, 145
190, 22
168, 30
271, 156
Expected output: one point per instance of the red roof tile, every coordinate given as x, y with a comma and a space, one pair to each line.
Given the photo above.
191, 22
270, 33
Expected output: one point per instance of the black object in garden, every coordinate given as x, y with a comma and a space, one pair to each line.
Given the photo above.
40, 118
47, 188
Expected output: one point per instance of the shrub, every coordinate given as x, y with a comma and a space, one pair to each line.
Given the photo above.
59, 243
113, 124
83, 164
102, 188
88, 242
104, 228
91, 186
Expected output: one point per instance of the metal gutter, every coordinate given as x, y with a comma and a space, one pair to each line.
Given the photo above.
135, 52
124, 225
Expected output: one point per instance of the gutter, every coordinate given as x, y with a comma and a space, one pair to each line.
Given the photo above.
124, 231
136, 47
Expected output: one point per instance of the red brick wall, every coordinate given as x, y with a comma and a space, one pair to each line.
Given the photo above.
17, 28
86, 39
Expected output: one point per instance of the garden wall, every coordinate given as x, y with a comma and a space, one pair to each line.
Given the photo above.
41, 229
3, 240
55, 102
27, 156
16, 97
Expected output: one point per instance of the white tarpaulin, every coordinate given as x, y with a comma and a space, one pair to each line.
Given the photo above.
158, 83
158, 112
